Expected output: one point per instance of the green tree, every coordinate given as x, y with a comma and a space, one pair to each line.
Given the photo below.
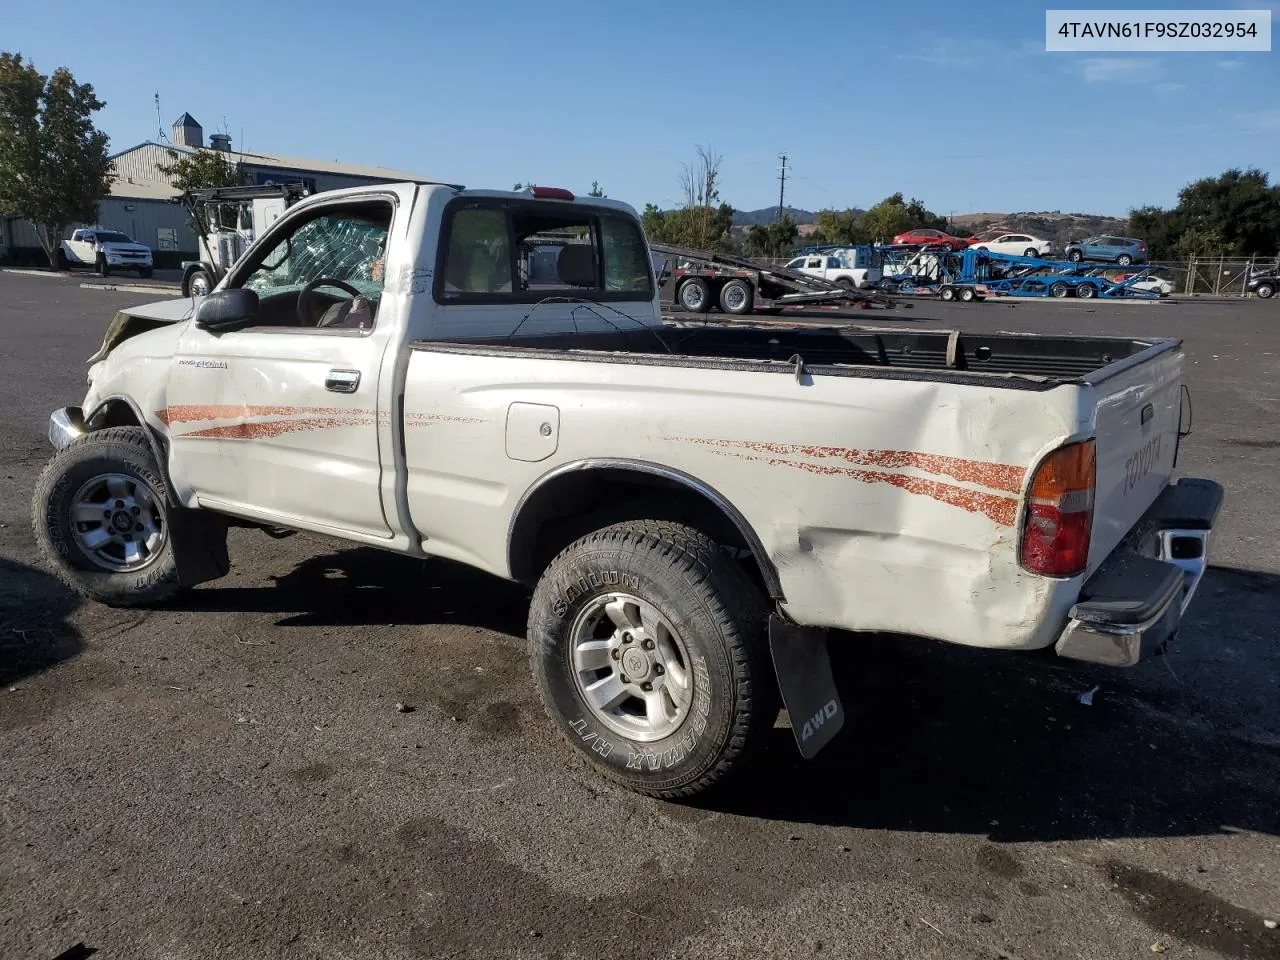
54, 169
703, 222
894, 215
772, 239
1236, 214
595, 189
840, 226
203, 169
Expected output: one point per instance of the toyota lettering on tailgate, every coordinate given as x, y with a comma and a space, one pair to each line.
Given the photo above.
1140, 464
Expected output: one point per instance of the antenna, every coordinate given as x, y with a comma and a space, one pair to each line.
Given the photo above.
164, 137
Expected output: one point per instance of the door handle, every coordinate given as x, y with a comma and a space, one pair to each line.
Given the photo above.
342, 381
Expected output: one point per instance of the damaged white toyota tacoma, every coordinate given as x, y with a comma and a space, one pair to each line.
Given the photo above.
486, 377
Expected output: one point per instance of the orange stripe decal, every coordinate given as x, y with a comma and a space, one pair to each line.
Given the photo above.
1000, 508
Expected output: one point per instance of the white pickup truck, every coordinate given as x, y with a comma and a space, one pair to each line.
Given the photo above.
485, 377
105, 250
851, 267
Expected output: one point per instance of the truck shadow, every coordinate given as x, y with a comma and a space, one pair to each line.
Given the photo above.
35, 632
945, 739
938, 738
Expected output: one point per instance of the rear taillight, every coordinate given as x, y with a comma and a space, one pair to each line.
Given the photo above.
1059, 516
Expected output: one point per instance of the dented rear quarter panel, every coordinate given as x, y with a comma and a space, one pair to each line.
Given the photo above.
885, 505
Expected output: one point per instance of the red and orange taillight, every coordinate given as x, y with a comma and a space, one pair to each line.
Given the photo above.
1059, 515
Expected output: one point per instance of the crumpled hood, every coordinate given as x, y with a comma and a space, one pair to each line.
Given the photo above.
149, 316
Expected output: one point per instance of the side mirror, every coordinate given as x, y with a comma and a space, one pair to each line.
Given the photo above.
227, 310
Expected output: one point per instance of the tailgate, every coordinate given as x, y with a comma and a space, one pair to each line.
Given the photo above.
1137, 413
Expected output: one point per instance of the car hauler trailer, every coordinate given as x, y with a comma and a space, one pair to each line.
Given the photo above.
702, 279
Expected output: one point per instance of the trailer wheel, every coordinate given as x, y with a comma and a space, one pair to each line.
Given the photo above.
199, 284
695, 295
737, 297
1086, 291
1059, 290
947, 293
967, 294
646, 642
1266, 291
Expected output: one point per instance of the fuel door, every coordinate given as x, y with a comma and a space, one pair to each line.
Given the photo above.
533, 431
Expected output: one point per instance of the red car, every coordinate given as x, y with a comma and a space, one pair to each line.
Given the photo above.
932, 238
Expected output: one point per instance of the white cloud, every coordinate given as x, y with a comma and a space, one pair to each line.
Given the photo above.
1229, 64
1119, 69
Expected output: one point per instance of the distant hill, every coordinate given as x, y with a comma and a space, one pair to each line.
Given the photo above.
1053, 225
753, 218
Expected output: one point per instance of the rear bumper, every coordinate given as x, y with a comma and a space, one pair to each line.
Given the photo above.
1133, 603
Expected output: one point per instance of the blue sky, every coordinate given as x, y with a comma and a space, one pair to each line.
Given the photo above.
957, 104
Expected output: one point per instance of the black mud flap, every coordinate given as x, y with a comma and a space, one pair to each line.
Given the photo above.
808, 689
199, 545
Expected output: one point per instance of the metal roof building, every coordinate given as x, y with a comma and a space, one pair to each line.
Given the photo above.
141, 200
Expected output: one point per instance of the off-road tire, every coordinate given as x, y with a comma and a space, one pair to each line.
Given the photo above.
123, 450
721, 616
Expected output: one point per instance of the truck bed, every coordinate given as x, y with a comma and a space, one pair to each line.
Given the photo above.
1017, 361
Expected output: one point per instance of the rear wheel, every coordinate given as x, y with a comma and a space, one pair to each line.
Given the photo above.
737, 297
1124, 259
1266, 291
1059, 290
101, 518
695, 295
966, 294
1086, 291
646, 642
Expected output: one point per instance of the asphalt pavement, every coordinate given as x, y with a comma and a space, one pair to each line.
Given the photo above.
230, 777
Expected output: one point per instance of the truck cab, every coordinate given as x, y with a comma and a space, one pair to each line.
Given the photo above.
105, 251
850, 266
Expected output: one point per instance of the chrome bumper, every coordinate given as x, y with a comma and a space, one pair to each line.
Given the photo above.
1131, 607
65, 427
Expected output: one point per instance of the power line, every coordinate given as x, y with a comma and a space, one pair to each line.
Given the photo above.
782, 184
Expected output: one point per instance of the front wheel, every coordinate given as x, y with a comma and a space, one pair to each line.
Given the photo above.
144, 273
947, 293
1059, 290
199, 284
646, 642
1266, 291
101, 266
1075, 256
1031, 252
101, 519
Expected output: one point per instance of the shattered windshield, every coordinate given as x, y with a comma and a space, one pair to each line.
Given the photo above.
347, 247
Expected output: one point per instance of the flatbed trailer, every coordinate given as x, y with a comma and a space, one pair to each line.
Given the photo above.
739, 285
982, 273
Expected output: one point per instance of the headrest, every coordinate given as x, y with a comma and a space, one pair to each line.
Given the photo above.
577, 265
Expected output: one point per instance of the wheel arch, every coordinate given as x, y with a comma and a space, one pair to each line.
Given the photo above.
119, 410
576, 498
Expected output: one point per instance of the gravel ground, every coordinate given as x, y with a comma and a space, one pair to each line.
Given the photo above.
229, 777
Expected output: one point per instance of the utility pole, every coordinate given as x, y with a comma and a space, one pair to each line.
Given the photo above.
782, 184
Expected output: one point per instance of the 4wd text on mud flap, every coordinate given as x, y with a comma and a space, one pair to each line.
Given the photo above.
814, 723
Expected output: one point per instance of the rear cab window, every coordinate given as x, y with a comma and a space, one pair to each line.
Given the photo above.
520, 251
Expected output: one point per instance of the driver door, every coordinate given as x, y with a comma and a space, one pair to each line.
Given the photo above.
279, 420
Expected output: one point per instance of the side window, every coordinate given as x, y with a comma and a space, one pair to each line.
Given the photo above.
814, 264
833, 263
525, 252
328, 271
478, 256
627, 268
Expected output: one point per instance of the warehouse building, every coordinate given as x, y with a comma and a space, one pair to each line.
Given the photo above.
142, 200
